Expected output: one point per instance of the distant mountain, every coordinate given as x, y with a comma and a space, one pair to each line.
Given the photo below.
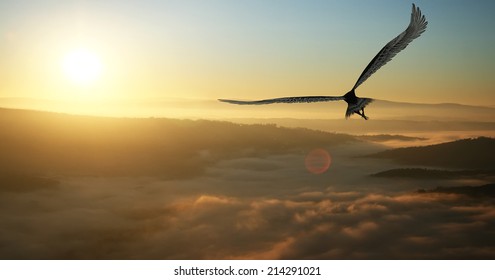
386, 117
54, 143
441, 111
474, 153
423, 173
373, 126
389, 137
211, 108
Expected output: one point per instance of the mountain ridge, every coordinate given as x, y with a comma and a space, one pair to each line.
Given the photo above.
36, 142
471, 153
212, 109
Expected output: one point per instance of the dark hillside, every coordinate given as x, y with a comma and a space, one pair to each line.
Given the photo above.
51, 143
476, 153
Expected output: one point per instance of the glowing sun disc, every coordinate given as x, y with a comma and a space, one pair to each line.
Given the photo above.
82, 66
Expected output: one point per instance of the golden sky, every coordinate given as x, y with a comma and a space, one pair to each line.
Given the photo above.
109, 50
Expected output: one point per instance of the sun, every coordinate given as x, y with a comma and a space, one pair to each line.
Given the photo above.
82, 66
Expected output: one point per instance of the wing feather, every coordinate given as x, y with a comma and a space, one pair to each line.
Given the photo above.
297, 99
416, 27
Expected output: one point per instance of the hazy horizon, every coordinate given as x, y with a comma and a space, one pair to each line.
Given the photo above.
190, 108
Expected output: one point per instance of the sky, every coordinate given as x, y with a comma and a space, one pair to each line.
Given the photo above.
206, 50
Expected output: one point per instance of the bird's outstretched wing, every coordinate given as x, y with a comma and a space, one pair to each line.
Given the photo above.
298, 99
416, 27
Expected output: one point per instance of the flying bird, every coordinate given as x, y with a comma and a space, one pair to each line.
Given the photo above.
356, 104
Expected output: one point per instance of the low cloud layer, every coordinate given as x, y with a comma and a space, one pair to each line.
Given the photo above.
247, 208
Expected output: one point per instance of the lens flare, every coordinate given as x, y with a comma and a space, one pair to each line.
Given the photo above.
318, 161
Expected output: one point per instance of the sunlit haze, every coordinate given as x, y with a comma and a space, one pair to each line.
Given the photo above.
147, 51
82, 66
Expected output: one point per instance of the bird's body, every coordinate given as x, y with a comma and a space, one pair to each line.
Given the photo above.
356, 105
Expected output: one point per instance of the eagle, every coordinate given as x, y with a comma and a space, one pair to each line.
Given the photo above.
356, 105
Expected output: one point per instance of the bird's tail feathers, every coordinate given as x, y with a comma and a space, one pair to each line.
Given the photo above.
352, 108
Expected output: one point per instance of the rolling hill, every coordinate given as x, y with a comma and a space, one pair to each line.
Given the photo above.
475, 153
423, 173
53, 143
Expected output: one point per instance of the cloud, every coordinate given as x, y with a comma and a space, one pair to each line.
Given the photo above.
370, 226
246, 208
